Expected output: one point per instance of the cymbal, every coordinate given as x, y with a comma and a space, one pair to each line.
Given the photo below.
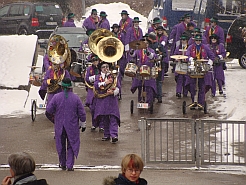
201, 60
178, 57
137, 44
33, 67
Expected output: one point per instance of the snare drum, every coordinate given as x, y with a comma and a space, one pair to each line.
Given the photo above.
131, 69
181, 67
198, 70
144, 71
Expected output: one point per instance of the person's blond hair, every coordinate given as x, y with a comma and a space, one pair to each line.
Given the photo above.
132, 161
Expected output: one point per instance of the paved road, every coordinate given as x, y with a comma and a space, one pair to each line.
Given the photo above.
21, 134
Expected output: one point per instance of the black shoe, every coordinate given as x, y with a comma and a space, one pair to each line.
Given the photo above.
114, 140
105, 138
70, 169
178, 95
159, 101
221, 92
62, 167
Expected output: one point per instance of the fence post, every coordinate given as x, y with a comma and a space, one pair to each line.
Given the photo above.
198, 130
142, 126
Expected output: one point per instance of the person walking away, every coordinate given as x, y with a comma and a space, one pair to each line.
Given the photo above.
22, 166
69, 117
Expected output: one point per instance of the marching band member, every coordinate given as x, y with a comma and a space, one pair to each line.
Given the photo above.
181, 78
116, 30
155, 24
214, 28
125, 24
70, 21
91, 23
143, 58
218, 65
103, 23
162, 38
90, 77
195, 32
159, 49
69, 117
194, 52
106, 109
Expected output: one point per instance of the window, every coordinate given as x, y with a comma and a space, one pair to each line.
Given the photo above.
4, 11
27, 10
16, 10
48, 9
183, 5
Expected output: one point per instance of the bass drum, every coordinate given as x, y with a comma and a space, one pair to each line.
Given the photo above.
144, 71
181, 67
131, 70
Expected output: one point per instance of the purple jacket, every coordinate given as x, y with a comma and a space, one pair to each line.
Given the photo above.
218, 31
124, 26
90, 24
144, 60
69, 23
107, 105
46, 62
132, 35
104, 23
68, 111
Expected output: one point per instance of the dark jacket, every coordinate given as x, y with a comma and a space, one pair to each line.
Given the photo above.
29, 179
121, 180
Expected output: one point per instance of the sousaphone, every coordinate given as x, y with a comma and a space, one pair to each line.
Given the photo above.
105, 45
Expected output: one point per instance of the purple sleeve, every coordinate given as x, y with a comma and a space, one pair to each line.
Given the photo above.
81, 110
46, 62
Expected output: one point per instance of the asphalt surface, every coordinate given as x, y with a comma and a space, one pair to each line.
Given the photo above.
98, 159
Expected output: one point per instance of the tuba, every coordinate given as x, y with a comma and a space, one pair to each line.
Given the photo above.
105, 45
59, 54
108, 48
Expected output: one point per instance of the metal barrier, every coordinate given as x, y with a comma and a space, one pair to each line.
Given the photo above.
190, 141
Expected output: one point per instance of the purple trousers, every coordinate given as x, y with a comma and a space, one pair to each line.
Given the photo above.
110, 124
180, 86
66, 158
149, 91
201, 90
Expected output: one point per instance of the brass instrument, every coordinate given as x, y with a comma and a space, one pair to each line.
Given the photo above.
107, 47
109, 86
59, 54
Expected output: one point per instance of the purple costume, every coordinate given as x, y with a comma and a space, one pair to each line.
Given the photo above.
106, 109
69, 23
148, 85
46, 62
43, 89
219, 52
201, 52
91, 73
90, 24
215, 30
68, 111
181, 78
104, 23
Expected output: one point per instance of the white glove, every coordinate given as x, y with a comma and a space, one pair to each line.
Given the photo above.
92, 78
82, 124
191, 59
163, 43
210, 62
221, 57
170, 41
116, 91
127, 47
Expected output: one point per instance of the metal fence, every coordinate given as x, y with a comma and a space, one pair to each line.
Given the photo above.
191, 141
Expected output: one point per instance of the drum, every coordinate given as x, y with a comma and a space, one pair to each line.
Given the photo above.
131, 69
181, 67
144, 71
154, 72
198, 69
